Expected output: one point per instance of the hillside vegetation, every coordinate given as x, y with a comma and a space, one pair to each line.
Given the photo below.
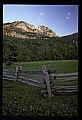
49, 48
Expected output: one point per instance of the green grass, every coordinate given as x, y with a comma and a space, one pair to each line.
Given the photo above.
67, 83
61, 66
22, 99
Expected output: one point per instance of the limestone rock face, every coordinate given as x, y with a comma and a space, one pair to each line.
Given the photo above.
22, 29
47, 31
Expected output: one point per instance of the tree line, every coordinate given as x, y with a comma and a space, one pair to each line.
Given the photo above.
25, 50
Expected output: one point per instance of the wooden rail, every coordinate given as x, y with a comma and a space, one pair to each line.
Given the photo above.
70, 74
24, 80
36, 71
47, 79
65, 79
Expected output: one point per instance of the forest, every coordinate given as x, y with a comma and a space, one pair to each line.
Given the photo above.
40, 49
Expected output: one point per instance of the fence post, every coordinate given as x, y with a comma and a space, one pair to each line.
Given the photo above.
20, 69
49, 68
16, 73
46, 76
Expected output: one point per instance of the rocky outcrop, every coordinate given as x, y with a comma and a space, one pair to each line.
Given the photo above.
22, 29
46, 31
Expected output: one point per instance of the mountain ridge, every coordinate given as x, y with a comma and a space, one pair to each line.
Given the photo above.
21, 29
38, 46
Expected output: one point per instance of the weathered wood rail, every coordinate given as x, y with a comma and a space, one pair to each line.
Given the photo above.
70, 74
44, 79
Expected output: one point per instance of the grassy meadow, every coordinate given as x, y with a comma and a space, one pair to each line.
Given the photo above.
61, 66
25, 100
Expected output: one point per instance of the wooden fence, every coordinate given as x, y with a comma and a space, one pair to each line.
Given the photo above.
46, 79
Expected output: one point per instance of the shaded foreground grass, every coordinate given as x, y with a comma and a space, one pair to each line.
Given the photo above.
21, 99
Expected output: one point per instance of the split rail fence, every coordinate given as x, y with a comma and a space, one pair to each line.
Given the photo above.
45, 79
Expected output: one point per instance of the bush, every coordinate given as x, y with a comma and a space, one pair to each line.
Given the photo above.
8, 63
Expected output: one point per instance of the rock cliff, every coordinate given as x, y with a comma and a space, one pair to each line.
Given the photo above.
22, 29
